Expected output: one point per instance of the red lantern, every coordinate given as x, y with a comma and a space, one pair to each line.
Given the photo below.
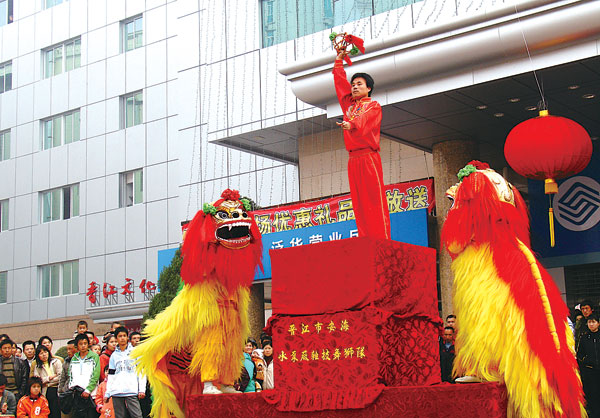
548, 148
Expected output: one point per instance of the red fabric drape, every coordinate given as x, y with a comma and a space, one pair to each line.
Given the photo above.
478, 400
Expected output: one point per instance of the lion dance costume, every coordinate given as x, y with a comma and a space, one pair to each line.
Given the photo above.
200, 336
511, 320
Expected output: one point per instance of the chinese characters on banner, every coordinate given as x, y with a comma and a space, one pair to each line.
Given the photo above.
323, 354
110, 293
401, 197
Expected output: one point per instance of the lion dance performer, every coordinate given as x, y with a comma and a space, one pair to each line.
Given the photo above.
511, 320
362, 120
195, 345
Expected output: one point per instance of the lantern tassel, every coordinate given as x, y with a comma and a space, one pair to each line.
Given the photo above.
551, 220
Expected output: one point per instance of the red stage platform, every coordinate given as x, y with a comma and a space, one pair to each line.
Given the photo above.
476, 400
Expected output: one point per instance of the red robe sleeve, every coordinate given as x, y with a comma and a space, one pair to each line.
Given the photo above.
367, 125
342, 86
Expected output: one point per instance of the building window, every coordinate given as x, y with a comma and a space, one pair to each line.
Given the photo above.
4, 145
131, 188
6, 12
3, 284
50, 3
53, 275
284, 20
61, 203
4, 215
5, 76
132, 33
61, 129
132, 109
62, 58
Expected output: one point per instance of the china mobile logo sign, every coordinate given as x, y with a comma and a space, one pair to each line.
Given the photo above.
577, 204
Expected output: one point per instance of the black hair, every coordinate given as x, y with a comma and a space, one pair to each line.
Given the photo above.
82, 322
28, 342
38, 350
593, 315
450, 316
134, 333
6, 341
71, 342
252, 341
45, 337
117, 322
587, 302
3, 380
449, 328
120, 330
4, 337
368, 80
34, 380
80, 337
266, 341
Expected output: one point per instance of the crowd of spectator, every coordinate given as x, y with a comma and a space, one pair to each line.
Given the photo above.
94, 378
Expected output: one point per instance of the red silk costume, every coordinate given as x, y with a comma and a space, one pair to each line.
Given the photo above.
365, 174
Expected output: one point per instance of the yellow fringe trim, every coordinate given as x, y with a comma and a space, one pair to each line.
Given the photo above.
535, 270
209, 322
491, 342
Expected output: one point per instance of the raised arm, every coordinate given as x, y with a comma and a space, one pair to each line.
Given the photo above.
342, 86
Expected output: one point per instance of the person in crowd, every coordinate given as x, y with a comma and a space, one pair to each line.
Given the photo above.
96, 349
34, 404
64, 377
19, 352
84, 372
451, 321
588, 358
581, 325
15, 370
111, 344
29, 352
14, 350
49, 370
260, 365
82, 327
269, 383
125, 386
105, 409
447, 354
134, 338
8, 402
48, 343
92, 338
247, 382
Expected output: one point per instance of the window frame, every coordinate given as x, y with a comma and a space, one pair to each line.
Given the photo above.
53, 3
56, 211
4, 148
124, 34
48, 142
59, 286
4, 277
4, 215
137, 188
3, 78
63, 49
137, 113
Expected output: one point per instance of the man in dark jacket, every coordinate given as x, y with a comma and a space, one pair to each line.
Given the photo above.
15, 370
447, 354
588, 357
8, 403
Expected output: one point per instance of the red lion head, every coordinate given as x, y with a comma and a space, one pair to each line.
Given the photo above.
486, 208
222, 242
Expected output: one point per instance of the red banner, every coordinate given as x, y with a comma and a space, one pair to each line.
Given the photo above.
401, 197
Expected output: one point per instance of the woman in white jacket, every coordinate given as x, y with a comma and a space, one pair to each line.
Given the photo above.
268, 355
49, 369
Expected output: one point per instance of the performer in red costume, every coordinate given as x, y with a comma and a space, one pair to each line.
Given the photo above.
362, 119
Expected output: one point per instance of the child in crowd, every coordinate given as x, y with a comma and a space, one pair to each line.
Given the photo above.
259, 363
96, 349
105, 409
35, 404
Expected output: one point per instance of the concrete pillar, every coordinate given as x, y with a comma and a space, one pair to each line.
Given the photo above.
448, 158
256, 310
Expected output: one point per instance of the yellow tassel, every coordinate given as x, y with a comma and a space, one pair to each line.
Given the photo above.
551, 220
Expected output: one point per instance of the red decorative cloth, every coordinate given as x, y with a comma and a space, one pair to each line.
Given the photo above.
347, 274
476, 400
365, 174
328, 361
